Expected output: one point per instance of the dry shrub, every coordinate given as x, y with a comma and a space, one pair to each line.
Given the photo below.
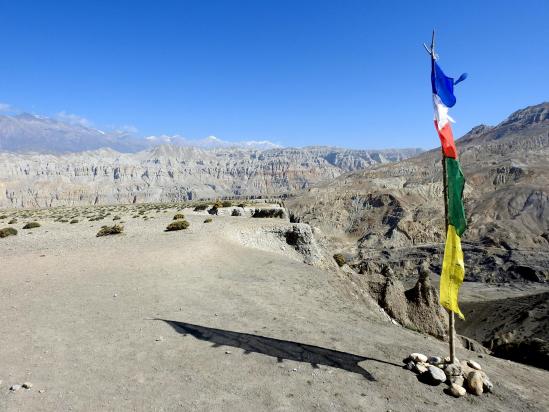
268, 213
8, 231
177, 225
31, 225
340, 259
110, 230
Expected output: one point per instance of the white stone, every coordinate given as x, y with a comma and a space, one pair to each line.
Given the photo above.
418, 357
487, 385
458, 380
456, 390
474, 382
436, 374
474, 365
435, 360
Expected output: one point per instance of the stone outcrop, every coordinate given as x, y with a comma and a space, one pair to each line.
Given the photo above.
417, 308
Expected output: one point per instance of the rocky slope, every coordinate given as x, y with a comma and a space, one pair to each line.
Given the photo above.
393, 215
512, 327
173, 173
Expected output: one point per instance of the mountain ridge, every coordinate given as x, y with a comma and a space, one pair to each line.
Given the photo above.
173, 173
393, 213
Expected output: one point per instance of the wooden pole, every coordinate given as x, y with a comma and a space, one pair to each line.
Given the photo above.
431, 51
450, 313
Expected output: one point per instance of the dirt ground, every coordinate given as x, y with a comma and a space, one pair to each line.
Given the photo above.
257, 330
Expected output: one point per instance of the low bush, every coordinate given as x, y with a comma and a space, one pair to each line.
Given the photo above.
268, 213
242, 205
226, 203
110, 230
3, 216
213, 211
177, 225
31, 225
199, 208
208, 220
116, 217
218, 204
11, 222
8, 231
179, 216
72, 222
236, 212
340, 259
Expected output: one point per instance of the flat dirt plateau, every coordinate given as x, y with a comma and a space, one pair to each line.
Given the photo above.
253, 328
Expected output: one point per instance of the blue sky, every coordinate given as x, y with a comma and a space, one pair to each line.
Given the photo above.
346, 73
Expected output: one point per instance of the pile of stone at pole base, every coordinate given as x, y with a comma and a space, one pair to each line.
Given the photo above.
460, 376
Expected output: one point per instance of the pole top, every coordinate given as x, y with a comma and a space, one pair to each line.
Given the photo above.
431, 50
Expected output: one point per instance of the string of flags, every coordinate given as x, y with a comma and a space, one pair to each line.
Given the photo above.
453, 267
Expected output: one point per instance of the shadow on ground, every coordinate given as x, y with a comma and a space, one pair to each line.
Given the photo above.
280, 349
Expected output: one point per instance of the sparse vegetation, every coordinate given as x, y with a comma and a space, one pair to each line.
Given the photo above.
208, 220
116, 217
177, 225
236, 212
110, 230
31, 225
179, 216
199, 208
340, 259
226, 203
12, 221
268, 213
8, 231
3, 216
73, 221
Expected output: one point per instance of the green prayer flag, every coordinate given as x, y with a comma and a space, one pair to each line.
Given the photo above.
456, 183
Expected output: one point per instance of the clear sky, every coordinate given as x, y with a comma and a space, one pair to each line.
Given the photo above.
346, 73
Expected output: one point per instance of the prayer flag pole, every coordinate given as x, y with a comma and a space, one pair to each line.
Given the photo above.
431, 51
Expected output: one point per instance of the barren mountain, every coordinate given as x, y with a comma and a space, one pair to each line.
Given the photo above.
25, 132
31, 133
393, 214
173, 173
388, 221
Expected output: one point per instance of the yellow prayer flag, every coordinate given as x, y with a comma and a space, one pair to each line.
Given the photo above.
453, 271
